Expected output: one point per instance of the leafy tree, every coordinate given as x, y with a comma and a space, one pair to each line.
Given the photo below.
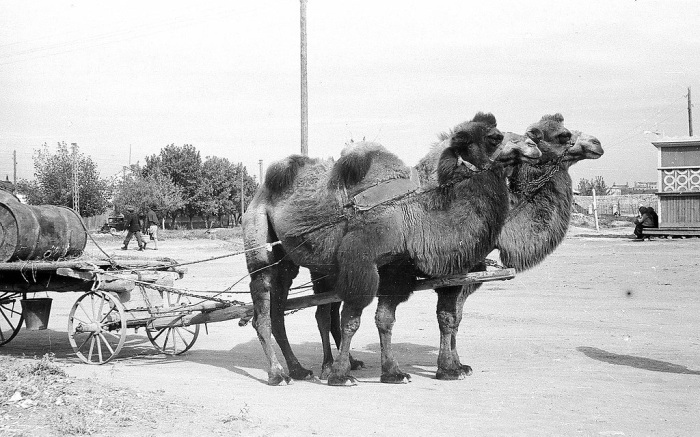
155, 190
53, 183
215, 194
183, 166
586, 187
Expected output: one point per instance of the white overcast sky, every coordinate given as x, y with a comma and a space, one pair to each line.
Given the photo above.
124, 79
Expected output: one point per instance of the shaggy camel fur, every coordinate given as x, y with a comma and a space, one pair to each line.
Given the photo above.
540, 198
441, 231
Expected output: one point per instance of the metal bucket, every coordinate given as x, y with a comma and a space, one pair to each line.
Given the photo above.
45, 232
36, 312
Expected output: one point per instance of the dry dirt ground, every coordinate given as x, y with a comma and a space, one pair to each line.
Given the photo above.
602, 339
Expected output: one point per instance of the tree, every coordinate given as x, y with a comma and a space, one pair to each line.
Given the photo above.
155, 190
215, 194
53, 183
586, 187
183, 166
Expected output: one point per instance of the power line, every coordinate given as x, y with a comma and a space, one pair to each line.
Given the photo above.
114, 37
640, 128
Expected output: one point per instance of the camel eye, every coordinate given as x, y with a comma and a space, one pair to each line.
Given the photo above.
495, 137
535, 135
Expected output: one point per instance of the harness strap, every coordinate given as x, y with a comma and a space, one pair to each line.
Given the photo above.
494, 156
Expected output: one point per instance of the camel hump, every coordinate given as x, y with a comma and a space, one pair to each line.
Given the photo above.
281, 174
365, 160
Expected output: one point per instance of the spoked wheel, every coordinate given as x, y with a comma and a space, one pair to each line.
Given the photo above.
173, 340
97, 327
11, 315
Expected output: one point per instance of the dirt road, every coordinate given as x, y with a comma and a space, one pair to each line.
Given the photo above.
603, 339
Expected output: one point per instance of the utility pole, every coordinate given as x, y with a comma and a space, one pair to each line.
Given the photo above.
690, 115
76, 187
261, 171
14, 177
240, 167
304, 91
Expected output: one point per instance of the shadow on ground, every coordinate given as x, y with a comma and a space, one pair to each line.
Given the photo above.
637, 362
37, 343
416, 359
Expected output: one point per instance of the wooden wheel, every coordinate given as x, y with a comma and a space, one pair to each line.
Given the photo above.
97, 327
11, 315
173, 340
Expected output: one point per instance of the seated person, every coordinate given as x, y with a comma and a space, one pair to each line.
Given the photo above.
644, 220
654, 217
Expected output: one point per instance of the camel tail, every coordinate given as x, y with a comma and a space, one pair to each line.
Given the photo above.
281, 174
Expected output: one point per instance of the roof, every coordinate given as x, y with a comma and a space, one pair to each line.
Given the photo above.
684, 141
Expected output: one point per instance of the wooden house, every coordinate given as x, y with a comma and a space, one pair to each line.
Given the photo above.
678, 190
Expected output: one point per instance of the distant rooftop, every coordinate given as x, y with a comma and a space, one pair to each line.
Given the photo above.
685, 140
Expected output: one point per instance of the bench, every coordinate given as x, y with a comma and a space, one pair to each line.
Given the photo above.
672, 232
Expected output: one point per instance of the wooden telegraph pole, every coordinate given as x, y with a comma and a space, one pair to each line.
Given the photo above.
14, 168
240, 167
76, 185
261, 170
690, 115
304, 92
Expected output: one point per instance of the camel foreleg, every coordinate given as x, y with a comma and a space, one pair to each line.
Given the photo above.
395, 286
350, 322
449, 307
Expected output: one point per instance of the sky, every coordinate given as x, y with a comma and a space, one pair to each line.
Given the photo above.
125, 79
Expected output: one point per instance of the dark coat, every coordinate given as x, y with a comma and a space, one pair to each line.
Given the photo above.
151, 218
132, 223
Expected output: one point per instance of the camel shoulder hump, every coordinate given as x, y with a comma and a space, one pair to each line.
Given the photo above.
280, 175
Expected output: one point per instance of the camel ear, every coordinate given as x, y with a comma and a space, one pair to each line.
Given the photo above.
535, 134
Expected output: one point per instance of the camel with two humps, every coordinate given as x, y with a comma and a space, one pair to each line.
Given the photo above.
439, 231
540, 196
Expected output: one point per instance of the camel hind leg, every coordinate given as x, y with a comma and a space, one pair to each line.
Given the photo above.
266, 278
284, 274
260, 286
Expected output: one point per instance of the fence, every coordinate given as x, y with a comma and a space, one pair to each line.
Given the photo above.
95, 222
627, 204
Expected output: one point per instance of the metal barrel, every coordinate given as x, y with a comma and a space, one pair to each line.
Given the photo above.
45, 232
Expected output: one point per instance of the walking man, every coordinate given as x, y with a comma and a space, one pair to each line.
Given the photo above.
133, 227
152, 223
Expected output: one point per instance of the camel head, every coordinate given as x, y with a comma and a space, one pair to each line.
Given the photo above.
517, 149
584, 147
558, 143
473, 146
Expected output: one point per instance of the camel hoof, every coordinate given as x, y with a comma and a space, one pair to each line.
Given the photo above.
325, 372
341, 381
395, 378
453, 374
466, 369
356, 364
301, 374
279, 379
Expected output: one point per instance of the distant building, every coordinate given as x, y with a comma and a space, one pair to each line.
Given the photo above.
619, 190
6, 185
644, 188
679, 185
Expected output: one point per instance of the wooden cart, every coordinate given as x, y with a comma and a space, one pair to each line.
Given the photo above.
130, 293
